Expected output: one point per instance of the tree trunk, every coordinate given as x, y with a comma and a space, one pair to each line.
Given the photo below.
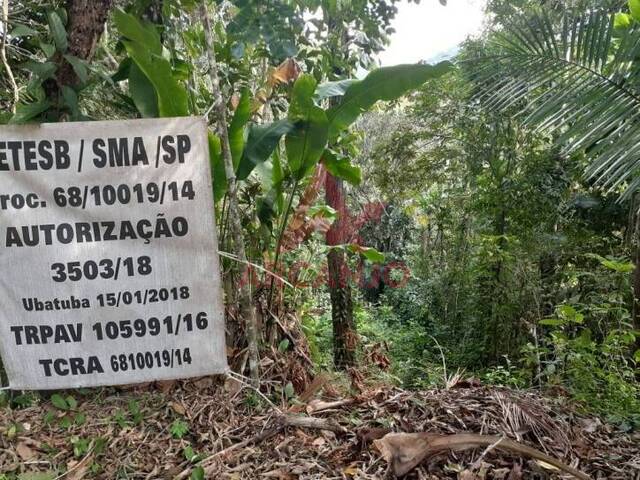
84, 28
244, 292
495, 339
636, 271
547, 264
345, 339
636, 293
344, 329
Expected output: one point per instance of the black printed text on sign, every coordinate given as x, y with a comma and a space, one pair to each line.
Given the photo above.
108, 259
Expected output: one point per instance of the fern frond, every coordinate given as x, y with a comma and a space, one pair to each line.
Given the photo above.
576, 78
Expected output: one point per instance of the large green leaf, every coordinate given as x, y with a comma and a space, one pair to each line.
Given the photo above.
341, 168
387, 83
23, 31
269, 205
277, 181
79, 67
236, 129
58, 31
333, 89
621, 20
219, 179
172, 96
261, 143
306, 142
144, 33
123, 70
26, 112
612, 264
42, 70
142, 45
634, 7
277, 176
142, 92
70, 98
370, 253
48, 49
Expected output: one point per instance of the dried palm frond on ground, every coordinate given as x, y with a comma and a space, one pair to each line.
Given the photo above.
133, 434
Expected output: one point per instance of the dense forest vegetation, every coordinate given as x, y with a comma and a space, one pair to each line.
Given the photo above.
475, 220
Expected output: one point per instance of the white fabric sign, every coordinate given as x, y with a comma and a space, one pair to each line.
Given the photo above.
108, 261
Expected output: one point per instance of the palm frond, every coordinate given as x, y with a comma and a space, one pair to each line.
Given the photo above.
577, 78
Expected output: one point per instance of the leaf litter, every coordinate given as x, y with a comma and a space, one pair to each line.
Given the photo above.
236, 435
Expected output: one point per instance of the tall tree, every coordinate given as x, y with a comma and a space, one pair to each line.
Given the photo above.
345, 338
344, 26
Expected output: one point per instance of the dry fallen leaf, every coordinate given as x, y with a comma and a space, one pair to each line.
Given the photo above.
204, 383
24, 451
78, 470
286, 72
516, 472
178, 408
318, 442
590, 425
266, 361
467, 475
232, 386
166, 385
500, 473
351, 471
454, 468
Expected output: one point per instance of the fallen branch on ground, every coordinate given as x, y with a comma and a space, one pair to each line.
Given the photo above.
405, 451
318, 405
311, 422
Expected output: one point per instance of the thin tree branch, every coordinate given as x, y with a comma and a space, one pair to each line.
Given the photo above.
244, 297
3, 54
